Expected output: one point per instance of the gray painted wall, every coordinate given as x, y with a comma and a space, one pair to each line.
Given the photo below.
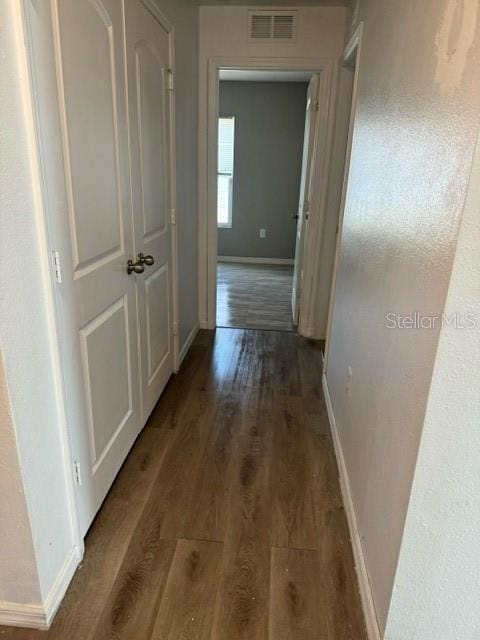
269, 123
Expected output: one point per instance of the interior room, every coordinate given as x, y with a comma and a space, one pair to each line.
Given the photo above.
239, 320
260, 148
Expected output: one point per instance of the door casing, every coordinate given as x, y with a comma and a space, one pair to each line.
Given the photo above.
326, 68
351, 58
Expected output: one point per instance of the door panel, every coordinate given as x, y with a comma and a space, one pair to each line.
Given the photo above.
148, 63
303, 205
89, 79
158, 314
106, 356
91, 83
150, 85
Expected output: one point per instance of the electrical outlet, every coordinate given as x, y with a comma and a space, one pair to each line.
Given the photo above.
349, 382
263, 233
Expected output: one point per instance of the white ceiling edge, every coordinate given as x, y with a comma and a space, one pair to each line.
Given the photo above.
294, 4
256, 75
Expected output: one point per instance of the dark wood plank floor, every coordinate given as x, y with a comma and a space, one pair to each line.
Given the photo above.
256, 296
226, 521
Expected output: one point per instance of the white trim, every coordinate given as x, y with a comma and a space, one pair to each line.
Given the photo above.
36, 616
154, 9
61, 584
325, 67
31, 616
188, 343
203, 324
351, 55
173, 196
366, 594
248, 260
309, 332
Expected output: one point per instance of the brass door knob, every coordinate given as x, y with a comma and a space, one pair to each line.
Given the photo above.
135, 267
148, 260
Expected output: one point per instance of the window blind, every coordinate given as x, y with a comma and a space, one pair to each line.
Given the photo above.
226, 135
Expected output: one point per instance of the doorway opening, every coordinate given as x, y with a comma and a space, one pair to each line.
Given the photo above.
265, 145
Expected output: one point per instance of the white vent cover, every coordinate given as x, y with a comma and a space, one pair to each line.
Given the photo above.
268, 26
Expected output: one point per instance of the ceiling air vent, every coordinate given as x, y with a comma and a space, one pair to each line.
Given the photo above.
269, 26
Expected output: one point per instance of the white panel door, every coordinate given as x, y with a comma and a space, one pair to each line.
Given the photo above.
148, 64
303, 204
102, 388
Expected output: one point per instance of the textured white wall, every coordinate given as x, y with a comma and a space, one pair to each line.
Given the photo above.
18, 570
437, 588
416, 125
27, 341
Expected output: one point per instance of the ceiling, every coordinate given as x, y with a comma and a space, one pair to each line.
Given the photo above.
252, 75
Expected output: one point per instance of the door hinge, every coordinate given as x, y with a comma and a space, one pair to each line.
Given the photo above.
171, 80
175, 329
57, 270
173, 216
77, 473
315, 105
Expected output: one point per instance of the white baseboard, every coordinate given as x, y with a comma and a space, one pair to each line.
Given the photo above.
60, 586
255, 260
37, 616
203, 324
366, 595
188, 342
308, 332
31, 616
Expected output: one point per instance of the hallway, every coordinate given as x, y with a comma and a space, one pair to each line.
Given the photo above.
226, 520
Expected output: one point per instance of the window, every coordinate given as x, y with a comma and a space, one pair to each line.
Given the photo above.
226, 136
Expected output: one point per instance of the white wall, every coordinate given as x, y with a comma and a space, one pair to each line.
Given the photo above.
27, 340
223, 33
437, 590
18, 571
416, 126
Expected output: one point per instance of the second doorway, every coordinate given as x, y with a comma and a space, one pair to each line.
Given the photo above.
266, 130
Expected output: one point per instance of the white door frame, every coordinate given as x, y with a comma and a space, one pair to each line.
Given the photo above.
39, 42
326, 68
351, 57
